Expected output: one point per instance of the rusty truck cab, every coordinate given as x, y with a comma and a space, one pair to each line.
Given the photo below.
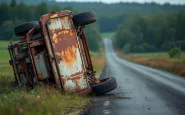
54, 50
65, 52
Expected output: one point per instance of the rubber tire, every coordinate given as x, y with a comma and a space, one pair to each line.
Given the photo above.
84, 18
22, 29
106, 85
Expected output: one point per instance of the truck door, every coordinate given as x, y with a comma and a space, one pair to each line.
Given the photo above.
68, 57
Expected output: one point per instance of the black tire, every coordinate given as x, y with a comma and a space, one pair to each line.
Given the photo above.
84, 18
22, 29
106, 85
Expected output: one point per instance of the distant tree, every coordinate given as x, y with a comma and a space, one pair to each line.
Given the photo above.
93, 37
7, 31
13, 3
148, 47
41, 9
180, 25
138, 48
70, 8
127, 49
4, 12
55, 8
160, 32
175, 53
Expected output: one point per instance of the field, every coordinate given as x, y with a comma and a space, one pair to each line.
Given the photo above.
158, 60
42, 99
98, 60
155, 55
4, 55
107, 34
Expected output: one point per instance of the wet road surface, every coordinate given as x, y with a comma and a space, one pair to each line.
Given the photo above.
141, 90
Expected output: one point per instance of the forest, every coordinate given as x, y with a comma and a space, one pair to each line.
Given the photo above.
13, 13
148, 27
160, 32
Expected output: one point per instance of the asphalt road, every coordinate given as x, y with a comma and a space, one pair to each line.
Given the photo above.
141, 90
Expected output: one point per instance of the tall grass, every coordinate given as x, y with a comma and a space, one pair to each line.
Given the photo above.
98, 60
159, 60
42, 100
154, 55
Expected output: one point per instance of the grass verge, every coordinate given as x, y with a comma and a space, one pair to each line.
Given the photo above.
42, 100
159, 61
98, 60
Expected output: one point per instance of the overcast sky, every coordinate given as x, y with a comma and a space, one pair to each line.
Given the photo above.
139, 1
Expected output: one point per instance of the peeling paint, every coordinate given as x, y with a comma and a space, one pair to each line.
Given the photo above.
67, 53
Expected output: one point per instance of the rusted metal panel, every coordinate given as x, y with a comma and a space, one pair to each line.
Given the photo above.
43, 21
41, 66
37, 43
66, 47
17, 78
31, 52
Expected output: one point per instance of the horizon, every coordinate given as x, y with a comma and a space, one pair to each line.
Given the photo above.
173, 2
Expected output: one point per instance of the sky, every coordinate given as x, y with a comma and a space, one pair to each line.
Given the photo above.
138, 1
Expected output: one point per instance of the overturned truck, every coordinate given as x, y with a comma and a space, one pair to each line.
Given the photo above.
55, 51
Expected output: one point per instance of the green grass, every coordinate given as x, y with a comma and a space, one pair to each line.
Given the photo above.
4, 44
154, 55
107, 35
4, 54
41, 100
93, 54
5, 69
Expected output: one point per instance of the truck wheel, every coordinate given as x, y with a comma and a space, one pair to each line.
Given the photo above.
22, 29
84, 18
106, 85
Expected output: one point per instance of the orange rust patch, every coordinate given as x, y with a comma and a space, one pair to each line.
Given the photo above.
53, 16
65, 46
68, 55
69, 44
68, 50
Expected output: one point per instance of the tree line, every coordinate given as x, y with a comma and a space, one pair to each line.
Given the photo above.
159, 32
13, 13
109, 15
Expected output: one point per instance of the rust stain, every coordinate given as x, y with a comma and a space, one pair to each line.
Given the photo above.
67, 53
44, 19
60, 44
53, 15
37, 43
68, 48
38, 57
